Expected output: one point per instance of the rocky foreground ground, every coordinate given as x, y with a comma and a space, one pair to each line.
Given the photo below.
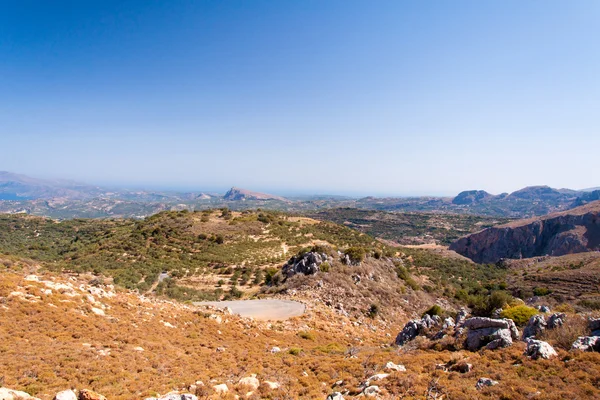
73, 337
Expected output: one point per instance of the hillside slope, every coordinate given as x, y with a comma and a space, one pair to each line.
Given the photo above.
567, 232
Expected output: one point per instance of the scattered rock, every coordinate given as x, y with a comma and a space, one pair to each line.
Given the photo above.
9, 394
539, 349
491, 333
335, 396
275, 350
371, 391
587, 343
272, 385
221, 389
376, 377
250, 381
175, 396
98, 311
535, 326
556, 320
390, 366
448, 323
545, 309
65, 395
86, 394
484, 382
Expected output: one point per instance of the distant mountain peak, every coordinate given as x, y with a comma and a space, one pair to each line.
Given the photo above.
471, 196
236, 194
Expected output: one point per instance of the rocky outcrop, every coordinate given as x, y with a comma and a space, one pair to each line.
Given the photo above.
573, 231
416, 327
307, 264
539, 349
490, 333
537, 324
586, 343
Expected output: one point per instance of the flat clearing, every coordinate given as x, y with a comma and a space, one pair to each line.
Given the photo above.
264, 310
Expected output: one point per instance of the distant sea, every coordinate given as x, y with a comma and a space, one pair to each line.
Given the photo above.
12, 196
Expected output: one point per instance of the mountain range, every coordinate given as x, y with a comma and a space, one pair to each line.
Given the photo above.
67, 199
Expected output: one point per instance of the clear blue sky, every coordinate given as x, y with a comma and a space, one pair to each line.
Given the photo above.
361, 97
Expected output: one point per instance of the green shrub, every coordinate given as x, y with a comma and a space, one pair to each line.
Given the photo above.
499, 299
332, 348
324, 267
541, 291
519, 314
295, 351
373, 311
434, 310
306, 335
356, 254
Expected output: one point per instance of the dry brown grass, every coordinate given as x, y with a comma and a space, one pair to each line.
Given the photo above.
564, 336
45, 349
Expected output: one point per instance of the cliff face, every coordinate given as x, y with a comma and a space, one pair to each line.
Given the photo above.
573, 231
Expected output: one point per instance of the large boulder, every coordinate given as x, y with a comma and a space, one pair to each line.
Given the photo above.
587, 343
535, 326
9, 394
539, 349
65, 395
307, 264
491, 333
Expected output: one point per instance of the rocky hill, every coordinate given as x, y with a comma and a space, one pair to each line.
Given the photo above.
471, 196
21, 187
237, 194
573, 231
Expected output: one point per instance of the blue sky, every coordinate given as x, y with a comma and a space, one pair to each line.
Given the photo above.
350, 97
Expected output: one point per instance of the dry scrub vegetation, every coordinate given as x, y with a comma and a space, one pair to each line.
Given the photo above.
50, 342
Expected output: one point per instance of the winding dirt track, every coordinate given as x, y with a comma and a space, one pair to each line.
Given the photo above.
265, 310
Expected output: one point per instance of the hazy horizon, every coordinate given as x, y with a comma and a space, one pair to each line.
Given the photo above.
341, 97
